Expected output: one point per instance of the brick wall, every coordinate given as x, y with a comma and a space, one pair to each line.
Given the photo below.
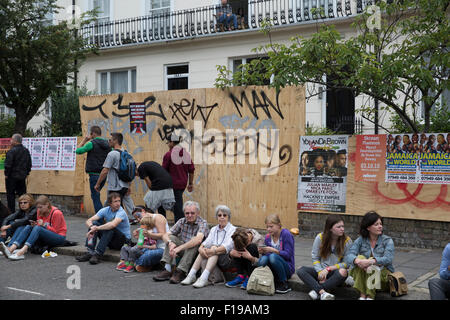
405, 233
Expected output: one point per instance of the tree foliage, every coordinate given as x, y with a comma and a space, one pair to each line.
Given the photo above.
404, 64
36, 56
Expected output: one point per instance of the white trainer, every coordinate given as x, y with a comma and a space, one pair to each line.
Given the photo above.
15, 257
189, 280
4, 249
326, 296
200, 283
313, 295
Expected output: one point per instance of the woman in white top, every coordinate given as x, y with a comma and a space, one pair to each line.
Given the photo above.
151, 258
217, 245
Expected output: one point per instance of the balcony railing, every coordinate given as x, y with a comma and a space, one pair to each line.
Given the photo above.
202, 21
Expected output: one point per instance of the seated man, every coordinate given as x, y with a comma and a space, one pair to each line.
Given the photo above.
440, 287
110, 225
183, 239
225, 14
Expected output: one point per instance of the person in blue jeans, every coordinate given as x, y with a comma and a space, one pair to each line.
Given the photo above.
440, 287
97, 149
225, 15
48, 230
27, 211
278, 253
109, 227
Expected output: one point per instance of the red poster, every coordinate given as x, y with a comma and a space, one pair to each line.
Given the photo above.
370, 162
138, 124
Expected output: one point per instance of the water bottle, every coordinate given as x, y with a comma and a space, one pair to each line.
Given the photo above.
141, 237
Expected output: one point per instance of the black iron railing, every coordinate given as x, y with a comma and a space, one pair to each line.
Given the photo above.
202, 21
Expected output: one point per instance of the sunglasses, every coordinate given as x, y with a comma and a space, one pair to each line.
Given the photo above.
23, 202
222, 215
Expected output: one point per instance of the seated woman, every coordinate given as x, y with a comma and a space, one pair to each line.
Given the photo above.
372, 250
214, 249
158, 226
49, 229
278, 253
244, 257
19, 219
328, 251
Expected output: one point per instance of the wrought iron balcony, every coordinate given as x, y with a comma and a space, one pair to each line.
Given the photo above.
202, 21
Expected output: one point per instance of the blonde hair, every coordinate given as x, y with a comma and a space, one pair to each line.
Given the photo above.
273, 218
44, 200
148, 221
27, 197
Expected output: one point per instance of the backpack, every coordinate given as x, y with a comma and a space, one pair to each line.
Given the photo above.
397, 284
127, 167
261, 282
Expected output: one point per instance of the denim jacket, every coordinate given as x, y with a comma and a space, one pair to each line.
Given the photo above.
383, 251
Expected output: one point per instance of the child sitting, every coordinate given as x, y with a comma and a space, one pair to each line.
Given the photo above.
129, 255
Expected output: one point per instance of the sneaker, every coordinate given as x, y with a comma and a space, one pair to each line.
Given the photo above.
189, 280
121, 266
235, 282
85, 257
177, 276
163, 276
313, 294
200, 283
95, 259
129, 268
244, 284
326, 296
143, 268
349, 281
16, 257
361, 298
4, 249
368, 298
282, 287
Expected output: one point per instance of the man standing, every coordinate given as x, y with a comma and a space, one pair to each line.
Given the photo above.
177, 161
183, 239
17, 168
97, 149
111, 226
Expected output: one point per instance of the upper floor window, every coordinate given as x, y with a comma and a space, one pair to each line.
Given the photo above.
117, 81
177, 77
104, 9
239, 63
156, 7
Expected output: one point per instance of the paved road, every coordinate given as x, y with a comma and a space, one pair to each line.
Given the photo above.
36, 278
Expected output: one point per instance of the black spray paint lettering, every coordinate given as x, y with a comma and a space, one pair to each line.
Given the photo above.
262, 102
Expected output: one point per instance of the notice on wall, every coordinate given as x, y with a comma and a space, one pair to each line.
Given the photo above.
370, 158
418, 158
322, 178
5, 145
49, 153
138, 124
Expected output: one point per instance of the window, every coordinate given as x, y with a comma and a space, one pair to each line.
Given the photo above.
177, 77
242, 61
157, 7
103, 8
117, 81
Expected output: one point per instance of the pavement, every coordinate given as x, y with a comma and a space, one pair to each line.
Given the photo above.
418, 265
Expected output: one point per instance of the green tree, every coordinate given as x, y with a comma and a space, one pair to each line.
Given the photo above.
404, 64
36, 56
65, 120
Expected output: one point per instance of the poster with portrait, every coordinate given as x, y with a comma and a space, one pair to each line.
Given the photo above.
68, 156
418, 158
138, 124
322, 175
37, 152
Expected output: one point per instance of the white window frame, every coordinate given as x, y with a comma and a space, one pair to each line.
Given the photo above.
244, 61
174, 76
102, 16
148, 8
108, 79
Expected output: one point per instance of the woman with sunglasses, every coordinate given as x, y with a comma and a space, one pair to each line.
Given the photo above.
48, 230
214, 249
21, 218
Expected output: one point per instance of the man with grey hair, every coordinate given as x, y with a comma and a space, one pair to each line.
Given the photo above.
183, 239
17, 168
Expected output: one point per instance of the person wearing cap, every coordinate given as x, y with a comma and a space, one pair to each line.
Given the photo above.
177, 161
